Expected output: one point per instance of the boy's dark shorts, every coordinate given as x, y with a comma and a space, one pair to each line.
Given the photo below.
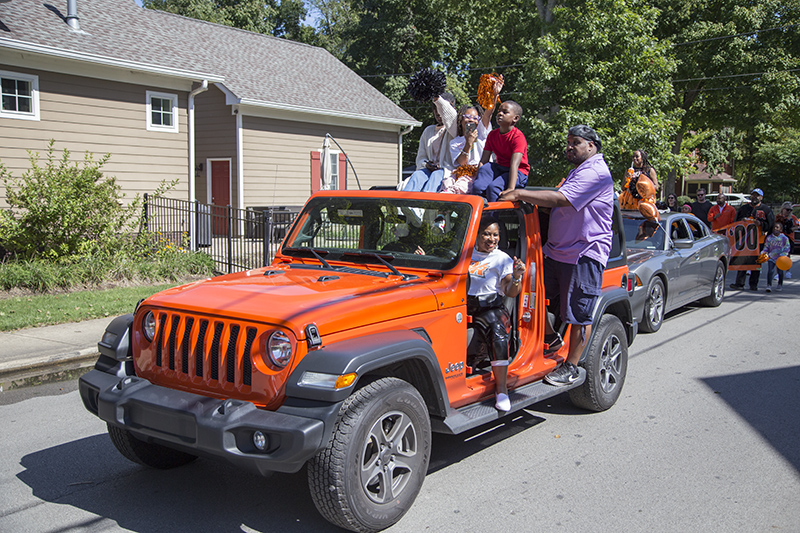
573, 288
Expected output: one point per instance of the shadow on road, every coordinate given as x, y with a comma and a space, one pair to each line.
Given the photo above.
769, 401
206, 495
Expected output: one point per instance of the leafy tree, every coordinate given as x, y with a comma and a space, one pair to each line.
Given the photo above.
600, 68
778, 166
281, 18
736, 67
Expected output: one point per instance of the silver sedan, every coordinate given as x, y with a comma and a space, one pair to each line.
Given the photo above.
674, 262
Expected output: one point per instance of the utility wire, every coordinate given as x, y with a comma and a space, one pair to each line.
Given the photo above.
735, 35
736, 75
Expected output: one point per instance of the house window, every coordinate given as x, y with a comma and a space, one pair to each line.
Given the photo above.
336, 162
162, 112
20, 96
333, 165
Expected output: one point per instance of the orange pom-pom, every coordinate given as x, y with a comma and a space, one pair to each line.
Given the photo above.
763, 258
465, 170
486, 89
783, 262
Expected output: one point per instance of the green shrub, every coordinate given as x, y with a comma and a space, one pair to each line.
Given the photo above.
63, 208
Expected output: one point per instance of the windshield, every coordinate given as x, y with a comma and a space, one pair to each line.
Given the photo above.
643, 234
403, 233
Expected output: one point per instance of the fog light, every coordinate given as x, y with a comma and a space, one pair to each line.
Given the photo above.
260, 441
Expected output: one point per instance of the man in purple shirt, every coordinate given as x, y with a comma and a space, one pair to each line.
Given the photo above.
578, 243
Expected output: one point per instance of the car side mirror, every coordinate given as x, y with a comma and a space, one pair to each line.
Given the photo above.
682, 244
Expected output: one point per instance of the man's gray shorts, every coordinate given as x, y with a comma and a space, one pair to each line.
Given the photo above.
573, 288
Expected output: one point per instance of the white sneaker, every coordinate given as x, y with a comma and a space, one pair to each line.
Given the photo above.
779, 288
503, 402
769, 289
787, 275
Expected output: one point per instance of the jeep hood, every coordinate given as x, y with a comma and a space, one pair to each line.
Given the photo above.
297, 295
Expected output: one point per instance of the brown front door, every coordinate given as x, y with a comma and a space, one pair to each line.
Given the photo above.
220, 195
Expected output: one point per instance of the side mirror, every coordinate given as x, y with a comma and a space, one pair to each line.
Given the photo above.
682, 244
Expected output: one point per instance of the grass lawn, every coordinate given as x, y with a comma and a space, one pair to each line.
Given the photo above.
28, 311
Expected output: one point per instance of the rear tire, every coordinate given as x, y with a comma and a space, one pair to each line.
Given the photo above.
373, 467
717, 288
147, 453
654, 307
606, 365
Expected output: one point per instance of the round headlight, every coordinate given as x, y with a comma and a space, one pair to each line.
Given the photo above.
149, 326
279, 348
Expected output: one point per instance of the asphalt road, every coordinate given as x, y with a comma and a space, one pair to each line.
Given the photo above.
704, 438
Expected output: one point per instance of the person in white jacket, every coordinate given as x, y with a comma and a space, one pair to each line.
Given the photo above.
433, 156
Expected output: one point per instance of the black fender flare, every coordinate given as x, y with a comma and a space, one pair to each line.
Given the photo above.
376, 353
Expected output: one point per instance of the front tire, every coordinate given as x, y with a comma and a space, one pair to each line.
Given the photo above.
606, 365
373, 467
717, 288
147, 453
654, 307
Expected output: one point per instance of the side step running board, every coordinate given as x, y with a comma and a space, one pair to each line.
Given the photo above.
472, 416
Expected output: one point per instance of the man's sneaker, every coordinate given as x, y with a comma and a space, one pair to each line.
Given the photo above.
564, 375
737, 287
554, 343
769, 289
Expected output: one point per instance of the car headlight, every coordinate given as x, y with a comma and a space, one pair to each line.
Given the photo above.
149, 326
279, 348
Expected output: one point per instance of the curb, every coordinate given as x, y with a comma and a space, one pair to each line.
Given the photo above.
46, 369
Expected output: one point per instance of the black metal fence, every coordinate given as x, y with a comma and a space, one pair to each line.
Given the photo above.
236, 239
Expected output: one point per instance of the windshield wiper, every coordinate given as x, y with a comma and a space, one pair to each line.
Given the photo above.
316, 255
382, 260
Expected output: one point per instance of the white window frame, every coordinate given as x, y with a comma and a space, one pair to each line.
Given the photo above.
34, 81
333, 161
148, 107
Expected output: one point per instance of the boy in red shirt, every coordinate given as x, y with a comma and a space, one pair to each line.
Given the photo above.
510, 147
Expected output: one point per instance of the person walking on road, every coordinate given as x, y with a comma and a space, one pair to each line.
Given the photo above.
721, 214
765, 219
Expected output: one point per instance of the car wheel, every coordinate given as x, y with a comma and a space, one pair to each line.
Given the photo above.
653, 307
147, 453
606, 365
717, 288
372, 469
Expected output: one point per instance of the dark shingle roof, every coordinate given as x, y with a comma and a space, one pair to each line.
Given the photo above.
258, 69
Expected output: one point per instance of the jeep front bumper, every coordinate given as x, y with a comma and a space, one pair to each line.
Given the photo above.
207, 426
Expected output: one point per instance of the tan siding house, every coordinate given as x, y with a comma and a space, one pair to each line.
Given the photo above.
237, 118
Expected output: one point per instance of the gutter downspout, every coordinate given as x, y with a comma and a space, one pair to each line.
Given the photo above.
192, 185
400, 136
239, 165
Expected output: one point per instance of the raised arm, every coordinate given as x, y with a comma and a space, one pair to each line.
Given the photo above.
448, 114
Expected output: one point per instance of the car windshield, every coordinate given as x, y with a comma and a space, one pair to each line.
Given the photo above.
643, 234
401, 232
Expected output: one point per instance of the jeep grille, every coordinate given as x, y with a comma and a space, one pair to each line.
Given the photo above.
206, 354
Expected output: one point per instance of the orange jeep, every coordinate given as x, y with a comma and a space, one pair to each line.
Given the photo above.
346, 352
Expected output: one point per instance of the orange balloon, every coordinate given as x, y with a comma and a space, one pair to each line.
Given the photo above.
649, 211
783, 262
645, 187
